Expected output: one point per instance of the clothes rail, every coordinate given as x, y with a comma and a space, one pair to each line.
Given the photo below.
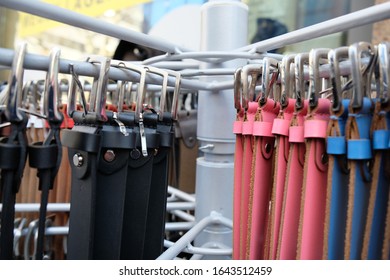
59, 14
41, 62
359, 18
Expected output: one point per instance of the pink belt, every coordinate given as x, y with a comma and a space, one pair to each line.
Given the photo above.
293, 188
280, 129
261, 185
310, 243
237, 129
247, 139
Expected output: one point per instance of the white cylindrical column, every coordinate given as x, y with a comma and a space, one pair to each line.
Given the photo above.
224, 27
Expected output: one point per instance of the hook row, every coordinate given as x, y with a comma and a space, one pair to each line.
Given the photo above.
258, 81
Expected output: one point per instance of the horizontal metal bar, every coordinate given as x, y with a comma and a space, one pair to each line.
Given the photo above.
72, 18
203, 250
34, 207
211, 56
177, 226
183, 215
189, 236
65, 207
41, 62
359, 18
180, 194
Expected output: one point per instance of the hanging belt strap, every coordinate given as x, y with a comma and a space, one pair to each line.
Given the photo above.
288, 235
359, 154
46, 157
111, 187
379, 191
83, 144
338, 176
310, 243
138, 186
260, 185
238, 159
13, 154
247, 132
155, 227
280, 129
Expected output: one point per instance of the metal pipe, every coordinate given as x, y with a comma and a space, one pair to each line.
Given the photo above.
41, 62
212, 249
177, 226
183, 215
69, 17
180, 194
64, 207
362, 17
189, 236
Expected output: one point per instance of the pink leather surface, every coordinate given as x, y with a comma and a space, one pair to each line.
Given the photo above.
315, 189
246, 177
261, 198
237, 129
291, 211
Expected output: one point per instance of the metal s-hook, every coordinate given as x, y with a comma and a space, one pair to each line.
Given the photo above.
384, 71
334, 58
299, 61
285, 80
270, 75
361, 76
73, 86
51, 94
164, 88
176, 92
248, 90
98, 96
315, 85
141, 86
237, 90
15, 86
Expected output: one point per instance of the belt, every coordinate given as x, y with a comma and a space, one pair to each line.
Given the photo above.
293, 187
379, 190
247, 138
337, 196
310, 242
359, 154
260, 185
280, 129
238, 156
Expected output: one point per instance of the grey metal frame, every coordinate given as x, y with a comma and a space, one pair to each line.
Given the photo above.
213, 54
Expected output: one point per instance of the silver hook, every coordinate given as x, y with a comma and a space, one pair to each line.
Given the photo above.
15, 86
73, 86
237, 90
164, 88
334, 57
98, 96
51, 93
384, 70
361, 76
120, 88
248, 90
299, 61
176, 92
270, 75
142, 83
315, 85
287, 85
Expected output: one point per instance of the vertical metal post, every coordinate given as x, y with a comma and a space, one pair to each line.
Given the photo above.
224, 27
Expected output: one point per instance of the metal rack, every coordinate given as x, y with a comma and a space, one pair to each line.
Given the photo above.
210, 228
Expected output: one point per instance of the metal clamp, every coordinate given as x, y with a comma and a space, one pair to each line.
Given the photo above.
299, 61
315, 85
287, 85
